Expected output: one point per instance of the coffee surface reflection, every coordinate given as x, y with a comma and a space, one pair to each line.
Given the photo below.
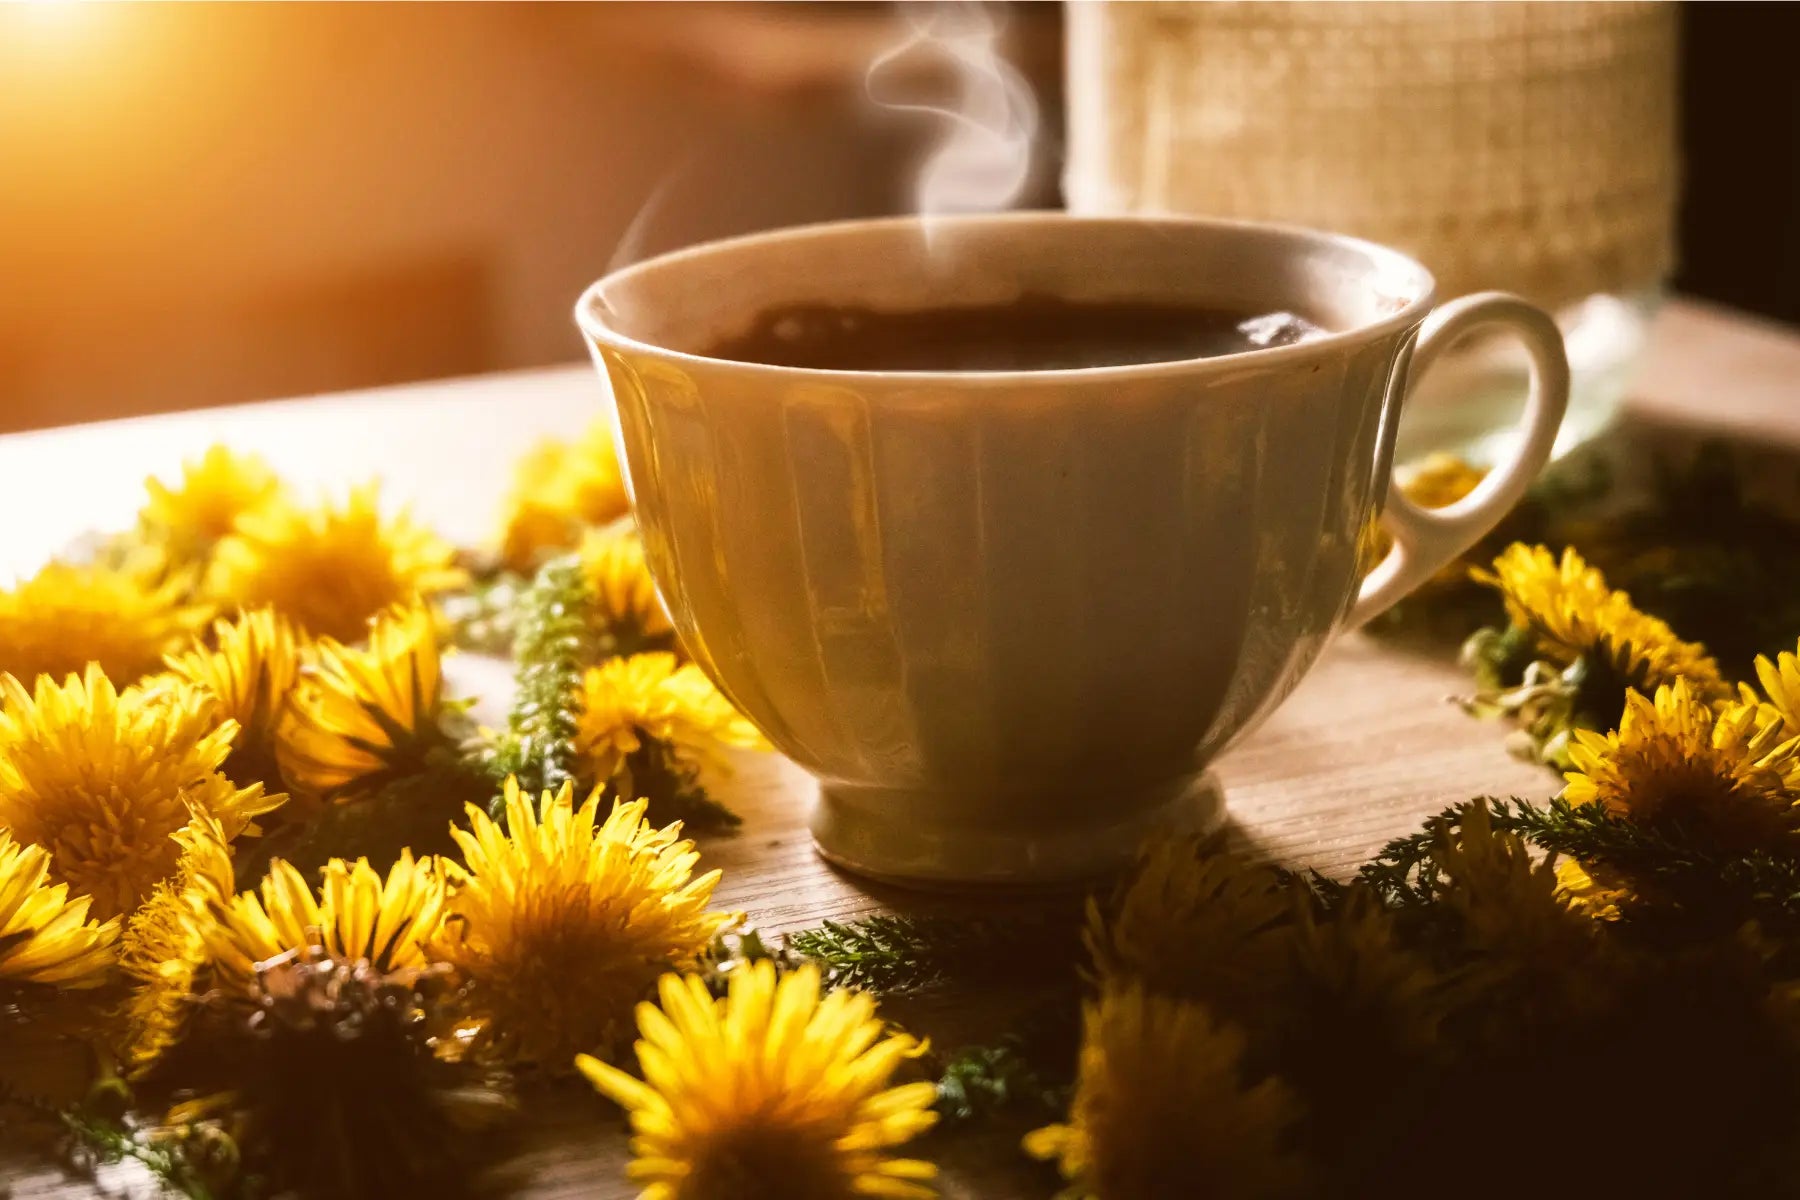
1033, 333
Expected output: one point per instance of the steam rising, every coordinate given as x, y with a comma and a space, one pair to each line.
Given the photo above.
631, 242
984, 159
981, 163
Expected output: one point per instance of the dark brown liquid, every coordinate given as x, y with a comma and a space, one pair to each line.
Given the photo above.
1033, 333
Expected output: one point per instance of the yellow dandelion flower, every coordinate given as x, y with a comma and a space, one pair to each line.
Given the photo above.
330, 569
1511, 914
774, 1091
1573, 614
655, 697
213, 493
1162, 1108
1372, 545
559, 489
1440, 480
356, 915
248, 671
1355, 982
101, 780
1531, 957
361, 717
163, 950
564, 921
625, 600
124, 616
1195, 922
1729, 774
45, 936
1780, 679
1597, 892
1436, 481
1558, 598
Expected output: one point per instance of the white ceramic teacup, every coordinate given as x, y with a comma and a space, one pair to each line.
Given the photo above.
1007, 618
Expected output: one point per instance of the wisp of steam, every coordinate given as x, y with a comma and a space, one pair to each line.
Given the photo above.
984, 158
631, 242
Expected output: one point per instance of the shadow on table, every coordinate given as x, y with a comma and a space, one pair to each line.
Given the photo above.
1698, 528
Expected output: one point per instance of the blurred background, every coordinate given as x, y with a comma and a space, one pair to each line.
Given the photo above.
210, 203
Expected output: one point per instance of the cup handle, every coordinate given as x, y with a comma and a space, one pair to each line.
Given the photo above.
1427, 539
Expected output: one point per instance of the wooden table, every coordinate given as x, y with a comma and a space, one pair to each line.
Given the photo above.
1362, 751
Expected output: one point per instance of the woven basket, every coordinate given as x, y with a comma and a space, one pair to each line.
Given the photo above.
1529, 147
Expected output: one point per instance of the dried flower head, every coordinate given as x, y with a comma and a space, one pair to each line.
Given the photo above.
194, 939
338, 1077
773, 1091
356, 915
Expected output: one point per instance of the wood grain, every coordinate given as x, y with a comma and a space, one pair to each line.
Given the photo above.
1360, 753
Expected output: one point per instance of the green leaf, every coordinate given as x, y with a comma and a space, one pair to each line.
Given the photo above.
893, 954
979, 1081
554, 646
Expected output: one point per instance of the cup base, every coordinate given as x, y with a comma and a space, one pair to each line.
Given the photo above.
879, 835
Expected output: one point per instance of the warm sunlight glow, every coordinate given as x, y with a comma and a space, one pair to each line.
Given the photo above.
56, 11
43, 25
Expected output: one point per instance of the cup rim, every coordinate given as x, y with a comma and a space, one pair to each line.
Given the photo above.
1410, 313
